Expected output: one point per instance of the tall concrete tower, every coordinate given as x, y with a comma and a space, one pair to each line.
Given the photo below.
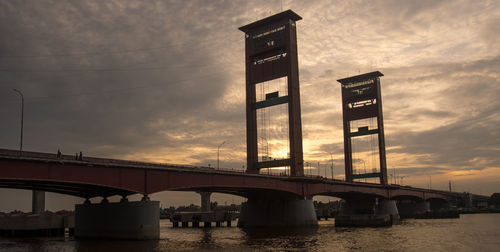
271, 53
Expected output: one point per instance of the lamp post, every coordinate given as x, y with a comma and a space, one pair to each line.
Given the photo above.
218, 149
22, 118
325, 172
319, 172
364, 167
394, 175
331, 158
38, 197
402, 177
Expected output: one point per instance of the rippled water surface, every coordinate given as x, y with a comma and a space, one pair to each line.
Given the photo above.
476, 232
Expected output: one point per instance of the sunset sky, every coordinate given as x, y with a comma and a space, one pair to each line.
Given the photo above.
164, 81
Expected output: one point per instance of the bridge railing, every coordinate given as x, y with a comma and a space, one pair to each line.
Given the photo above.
112, 161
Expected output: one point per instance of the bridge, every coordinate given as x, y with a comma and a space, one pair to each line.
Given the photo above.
91, 177
270, 55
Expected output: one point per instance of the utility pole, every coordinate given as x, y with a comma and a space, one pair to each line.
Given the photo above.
22, 119
331, 158
394, 175
364, 167
402, 177
325, 172
218, 149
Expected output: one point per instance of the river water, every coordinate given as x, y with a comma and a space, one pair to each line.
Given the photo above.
474, 232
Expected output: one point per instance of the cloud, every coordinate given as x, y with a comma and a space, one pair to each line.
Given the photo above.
465, 138
489, 33
95, 78
165, 80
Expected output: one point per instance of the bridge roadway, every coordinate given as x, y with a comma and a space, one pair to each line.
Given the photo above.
91, 177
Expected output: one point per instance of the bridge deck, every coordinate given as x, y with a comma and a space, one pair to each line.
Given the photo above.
91, 176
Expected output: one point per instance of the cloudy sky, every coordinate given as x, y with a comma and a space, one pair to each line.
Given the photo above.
164, 81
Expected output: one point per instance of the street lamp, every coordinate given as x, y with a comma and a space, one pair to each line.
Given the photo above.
401, 178
364, 167
22, 118
218, 148
331, 158
38, 198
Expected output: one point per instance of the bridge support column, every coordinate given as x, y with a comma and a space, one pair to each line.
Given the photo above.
123, 220
38, 202
440, 209
275, 210
367, 212
205, 201
412, 209
388, 207
422, 207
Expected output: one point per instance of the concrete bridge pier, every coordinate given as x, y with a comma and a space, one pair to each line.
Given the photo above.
427, 209
277, 210
412, 209
388, 207
438, 205
367, 212
440, 209
38, 202
205, 201
138, 220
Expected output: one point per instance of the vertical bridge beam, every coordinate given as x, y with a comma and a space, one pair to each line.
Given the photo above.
38, 202
205, 201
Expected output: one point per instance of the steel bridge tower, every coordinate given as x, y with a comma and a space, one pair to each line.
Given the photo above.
361, 99
271, 53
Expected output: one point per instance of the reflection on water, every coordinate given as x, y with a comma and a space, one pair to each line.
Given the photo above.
105, 246
478, 232
285, 238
